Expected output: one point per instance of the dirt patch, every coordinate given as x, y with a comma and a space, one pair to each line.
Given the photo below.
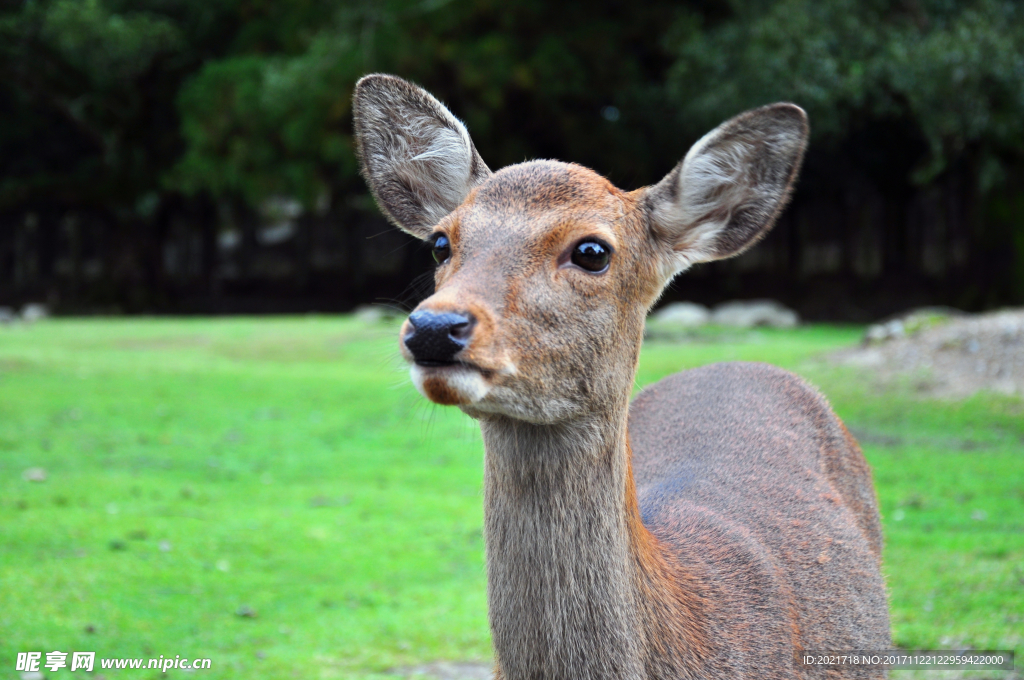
950, 357
13, 365
888, 441
164, 342
956, 675
447, 670
455, 670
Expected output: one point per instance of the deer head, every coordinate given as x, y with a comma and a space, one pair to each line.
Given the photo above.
546, 270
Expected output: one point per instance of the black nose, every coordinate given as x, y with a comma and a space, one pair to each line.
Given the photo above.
435, 339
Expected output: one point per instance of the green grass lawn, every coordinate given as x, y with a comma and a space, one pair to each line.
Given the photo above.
272, 494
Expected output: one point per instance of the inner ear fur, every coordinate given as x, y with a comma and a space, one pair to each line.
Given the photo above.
416, 157
726, 193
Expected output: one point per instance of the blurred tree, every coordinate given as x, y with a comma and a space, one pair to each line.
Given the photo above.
259, 125
88, 97
530, 78
951, 69
903, 95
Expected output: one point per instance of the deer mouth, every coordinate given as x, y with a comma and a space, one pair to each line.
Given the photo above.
454, 383
456, 365
435, 364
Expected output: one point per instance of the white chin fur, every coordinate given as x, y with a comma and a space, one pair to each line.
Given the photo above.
469, 384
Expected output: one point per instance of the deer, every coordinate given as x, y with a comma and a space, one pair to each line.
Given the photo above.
718, 526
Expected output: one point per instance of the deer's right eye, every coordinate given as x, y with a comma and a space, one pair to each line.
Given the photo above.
442, 249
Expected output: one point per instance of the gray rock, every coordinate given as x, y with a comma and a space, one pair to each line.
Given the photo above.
7, 315
682, 314
909, 323
34, 311
880, 332
447, 670
371, 314
34, 474
751, 313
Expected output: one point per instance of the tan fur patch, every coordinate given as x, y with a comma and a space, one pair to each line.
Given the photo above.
439, 392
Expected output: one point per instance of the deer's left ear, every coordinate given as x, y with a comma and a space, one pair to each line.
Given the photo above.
727, 192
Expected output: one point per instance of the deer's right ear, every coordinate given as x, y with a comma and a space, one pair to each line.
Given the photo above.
416, 156
725, 195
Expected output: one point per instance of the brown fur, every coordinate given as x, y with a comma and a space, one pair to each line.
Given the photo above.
748, 460
720, 525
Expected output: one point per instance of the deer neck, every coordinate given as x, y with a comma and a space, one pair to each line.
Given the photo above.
572, 572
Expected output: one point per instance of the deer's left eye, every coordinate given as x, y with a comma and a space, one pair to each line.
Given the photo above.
592, 255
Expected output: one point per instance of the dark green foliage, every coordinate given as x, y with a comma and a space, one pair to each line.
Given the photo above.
134, 130
531, 80
952, 70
